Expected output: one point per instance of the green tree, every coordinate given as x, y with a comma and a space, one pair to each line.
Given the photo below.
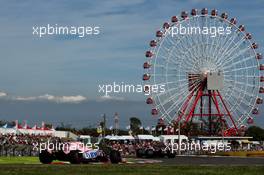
256, 132
135, 124
10, 123
2, 122
67, 127
48, 125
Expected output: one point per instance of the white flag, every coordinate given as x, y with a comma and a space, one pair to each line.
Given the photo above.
128, 127
16, 126
25, 125
52, 128
34, 127
172, 130
42, 125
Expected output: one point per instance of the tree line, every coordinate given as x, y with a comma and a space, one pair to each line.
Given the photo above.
135, 128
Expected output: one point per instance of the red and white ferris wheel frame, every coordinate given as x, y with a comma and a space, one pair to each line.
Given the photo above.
188, 106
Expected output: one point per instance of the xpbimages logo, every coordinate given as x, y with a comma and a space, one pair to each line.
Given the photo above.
211, 31
80, 31
107, 89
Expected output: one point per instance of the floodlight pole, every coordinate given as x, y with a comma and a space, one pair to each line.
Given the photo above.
179, 137
104, 120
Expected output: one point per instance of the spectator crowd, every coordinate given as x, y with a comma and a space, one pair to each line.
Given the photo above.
23, 145
20, 144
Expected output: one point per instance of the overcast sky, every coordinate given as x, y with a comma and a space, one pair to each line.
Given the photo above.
69, 69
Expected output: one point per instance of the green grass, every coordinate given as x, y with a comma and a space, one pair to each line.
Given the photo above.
31, 166
19, 160
134, 169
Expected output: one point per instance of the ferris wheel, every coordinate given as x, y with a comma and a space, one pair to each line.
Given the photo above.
211, 78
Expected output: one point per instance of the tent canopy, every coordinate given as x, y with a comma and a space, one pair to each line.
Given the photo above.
148, 137
172, 137
124, 137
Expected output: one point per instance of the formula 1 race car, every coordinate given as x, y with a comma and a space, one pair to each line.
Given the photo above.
76, 153
154, 153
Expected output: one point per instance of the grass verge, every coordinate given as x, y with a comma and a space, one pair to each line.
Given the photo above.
134, 169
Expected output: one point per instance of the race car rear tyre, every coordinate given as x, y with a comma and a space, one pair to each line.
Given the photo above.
171, 155
115, 157
75, 157
149, 153
45, 157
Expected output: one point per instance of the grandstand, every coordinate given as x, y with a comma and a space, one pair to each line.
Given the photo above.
35, 130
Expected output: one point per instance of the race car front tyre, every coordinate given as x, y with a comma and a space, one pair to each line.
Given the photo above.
140, 153
102, 158
45, 157
75, 157
115, 157
149, 153
159, 154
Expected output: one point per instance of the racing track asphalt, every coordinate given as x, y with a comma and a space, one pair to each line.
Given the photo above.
203, 160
